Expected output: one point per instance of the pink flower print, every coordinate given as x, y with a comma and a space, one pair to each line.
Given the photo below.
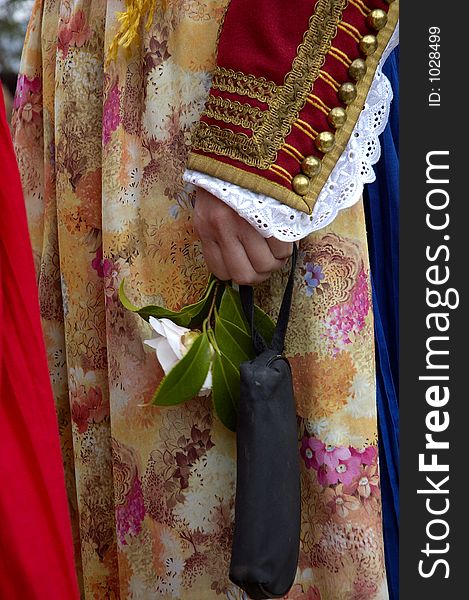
73, 31
64, 38
327, 454
346, 320
347, 470
111, 113
80, 416
367, 482
327, 476
31, 108
98, 409
307, 453
367, 455
97, 262
337, 501
130, 515
25, 88
113, 273
79, 28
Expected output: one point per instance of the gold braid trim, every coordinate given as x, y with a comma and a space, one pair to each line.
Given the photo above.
224, 110
285, 102
130, 22
227, 80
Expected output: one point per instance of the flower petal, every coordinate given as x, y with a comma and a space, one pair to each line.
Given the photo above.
157, 325
173, 334
207, 385
166, 357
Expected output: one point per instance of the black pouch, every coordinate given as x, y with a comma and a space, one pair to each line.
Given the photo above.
267, 510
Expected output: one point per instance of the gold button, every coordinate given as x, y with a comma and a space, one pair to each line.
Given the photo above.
300, 184
325, 141
337, 117
377, 19
311, 166
368, 44
347, 92
357, 69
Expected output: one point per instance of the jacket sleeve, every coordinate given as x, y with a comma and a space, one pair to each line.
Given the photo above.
290, 83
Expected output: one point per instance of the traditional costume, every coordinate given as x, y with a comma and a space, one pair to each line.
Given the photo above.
117, 117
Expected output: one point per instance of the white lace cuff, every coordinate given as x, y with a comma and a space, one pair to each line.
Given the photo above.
344, 186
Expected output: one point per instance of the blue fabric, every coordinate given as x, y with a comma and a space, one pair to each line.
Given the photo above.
382, 214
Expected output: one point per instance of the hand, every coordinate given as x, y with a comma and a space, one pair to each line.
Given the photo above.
232, 248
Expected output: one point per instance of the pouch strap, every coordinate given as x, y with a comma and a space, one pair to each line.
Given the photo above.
247, 300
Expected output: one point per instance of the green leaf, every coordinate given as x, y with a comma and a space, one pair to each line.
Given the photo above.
234, 343
189, 316
264, 324
186, 378
225, 390
201, 309
232, 311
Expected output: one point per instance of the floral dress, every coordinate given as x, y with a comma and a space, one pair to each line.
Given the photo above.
102, 146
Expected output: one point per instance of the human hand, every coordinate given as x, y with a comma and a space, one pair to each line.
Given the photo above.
232, 248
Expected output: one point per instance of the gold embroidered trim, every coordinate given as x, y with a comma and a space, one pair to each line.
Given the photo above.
293, 150
343, 134
351, 31
285, 102
318, 106
245, 179
363, 8
227, 111
291, 154
248, 152
340, 56
329, 80
227, 80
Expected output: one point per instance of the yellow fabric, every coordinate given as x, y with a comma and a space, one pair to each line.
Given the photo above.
137, 12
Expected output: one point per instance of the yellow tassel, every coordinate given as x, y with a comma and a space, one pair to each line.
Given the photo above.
130, 21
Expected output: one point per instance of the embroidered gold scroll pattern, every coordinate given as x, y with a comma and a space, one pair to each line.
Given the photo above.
227, 111
235, 82
285, 102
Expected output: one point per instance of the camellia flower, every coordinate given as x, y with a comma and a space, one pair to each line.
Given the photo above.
172, 343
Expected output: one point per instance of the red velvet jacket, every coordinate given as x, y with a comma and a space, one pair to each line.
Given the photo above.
290, 82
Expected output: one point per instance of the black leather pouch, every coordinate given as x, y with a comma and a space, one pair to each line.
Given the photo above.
267, 509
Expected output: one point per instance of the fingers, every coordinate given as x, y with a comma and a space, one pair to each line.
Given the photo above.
281, 250
232, 248
214, 259
259, 252
239, 264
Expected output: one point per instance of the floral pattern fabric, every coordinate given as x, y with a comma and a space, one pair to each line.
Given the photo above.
102, 147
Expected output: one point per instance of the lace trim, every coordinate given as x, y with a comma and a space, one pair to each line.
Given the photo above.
344, 186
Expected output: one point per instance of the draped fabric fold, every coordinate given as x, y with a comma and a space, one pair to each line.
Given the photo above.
36, 552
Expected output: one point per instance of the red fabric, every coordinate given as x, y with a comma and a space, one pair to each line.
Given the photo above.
261, 38
36, 552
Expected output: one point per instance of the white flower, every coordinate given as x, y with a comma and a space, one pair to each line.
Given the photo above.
171, 344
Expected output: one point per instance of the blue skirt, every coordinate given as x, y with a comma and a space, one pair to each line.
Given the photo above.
382, 215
